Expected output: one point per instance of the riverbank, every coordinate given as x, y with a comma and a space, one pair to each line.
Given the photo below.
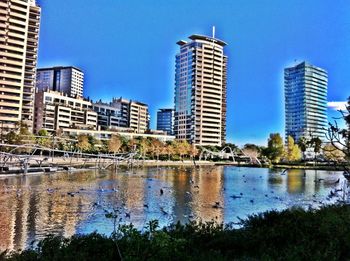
59, 164
293, 234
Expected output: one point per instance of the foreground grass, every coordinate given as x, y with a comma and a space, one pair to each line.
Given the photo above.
292, 234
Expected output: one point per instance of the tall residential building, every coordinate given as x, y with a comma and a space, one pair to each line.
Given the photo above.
123, 113
165, 120
305, 88
200, 91
19, 34
69, 80
55, 110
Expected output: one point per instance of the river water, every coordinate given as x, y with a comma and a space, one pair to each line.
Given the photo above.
67, 203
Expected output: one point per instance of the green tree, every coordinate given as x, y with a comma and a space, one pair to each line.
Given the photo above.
275, 148
316, 144
293, 153
303, 144
11, 137
44, 139
24, 135
251, 147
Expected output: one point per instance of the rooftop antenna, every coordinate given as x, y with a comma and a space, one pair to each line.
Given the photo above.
213, 31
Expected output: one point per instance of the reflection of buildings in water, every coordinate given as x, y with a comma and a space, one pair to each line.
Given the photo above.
312, 184
303, 181
210, 182
182, 199
32, 212
132, 194
295, 181
6, 221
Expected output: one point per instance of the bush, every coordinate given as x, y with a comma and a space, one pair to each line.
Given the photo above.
293, 234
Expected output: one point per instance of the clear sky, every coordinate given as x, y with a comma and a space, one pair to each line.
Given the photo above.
127, 48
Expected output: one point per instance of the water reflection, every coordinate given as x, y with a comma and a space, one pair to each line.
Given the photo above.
63, 204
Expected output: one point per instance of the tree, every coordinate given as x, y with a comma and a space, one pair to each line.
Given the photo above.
156, 147
303, 144
169, 149
316, 143
43, 139
182, 148
193, 151
293, 152
144, 147
83, 143
114, 144
333, 154
340, 137
252, 151
11, 137
132, 144
24, 135
252, 147
275, 148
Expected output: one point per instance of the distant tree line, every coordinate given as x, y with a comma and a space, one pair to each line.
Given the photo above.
276, 151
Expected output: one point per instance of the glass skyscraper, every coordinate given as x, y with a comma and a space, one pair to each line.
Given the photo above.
305, 88
165, 120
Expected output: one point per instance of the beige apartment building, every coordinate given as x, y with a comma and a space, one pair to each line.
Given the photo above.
200, 91
107, 134
139, 117
122, 113
19, 32
55, 110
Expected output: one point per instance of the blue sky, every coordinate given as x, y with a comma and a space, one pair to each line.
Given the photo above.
127, 48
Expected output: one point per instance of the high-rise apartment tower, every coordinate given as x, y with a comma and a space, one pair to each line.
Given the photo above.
19, 33
200, 91
305, 88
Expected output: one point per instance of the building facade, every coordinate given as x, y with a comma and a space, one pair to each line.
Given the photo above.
200, 91
165, 120
305, 88
55, 110
69, 80
107, 134
122, 113
19, 35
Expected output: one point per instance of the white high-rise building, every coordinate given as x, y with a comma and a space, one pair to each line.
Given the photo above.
200, 91
19, 33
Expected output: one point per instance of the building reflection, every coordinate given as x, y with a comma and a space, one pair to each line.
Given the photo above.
210, 183
183, 197
29, 213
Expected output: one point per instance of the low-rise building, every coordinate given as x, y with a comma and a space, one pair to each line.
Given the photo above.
106, 135
122, 113
55, 110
